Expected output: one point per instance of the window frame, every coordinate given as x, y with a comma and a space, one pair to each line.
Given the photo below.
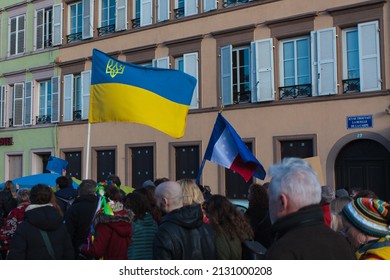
17, 34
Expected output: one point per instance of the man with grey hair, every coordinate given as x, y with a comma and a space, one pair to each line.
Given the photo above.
78, 217
182, 235
297, 217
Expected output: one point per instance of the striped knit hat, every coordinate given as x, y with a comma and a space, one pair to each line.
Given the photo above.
372, 216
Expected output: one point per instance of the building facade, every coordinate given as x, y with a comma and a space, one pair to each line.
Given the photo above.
293, 77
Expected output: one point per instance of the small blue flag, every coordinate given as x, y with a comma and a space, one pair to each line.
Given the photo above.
56, 165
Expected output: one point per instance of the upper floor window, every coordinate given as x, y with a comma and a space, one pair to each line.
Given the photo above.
80, 20
188, 63
44, 27
22, 104
247, 73
17, 35
2, 107
185, 8
143, 13
361, 58
209, 5
76, 96
44, 101
107, 13
232, 3
113, 16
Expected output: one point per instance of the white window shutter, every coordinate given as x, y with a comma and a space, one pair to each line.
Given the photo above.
39, 29
163, 10
209, 5
190, 7
162, 62
121, 15
146, 12
190, 61
28, 93
85, 91
369, 56
263, 88
18, 104
2, 107
226, 75
68, 97
314, 63
57, 24
87, 30
327, 61
55, 99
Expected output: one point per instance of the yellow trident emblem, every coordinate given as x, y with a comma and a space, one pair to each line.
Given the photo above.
113, 68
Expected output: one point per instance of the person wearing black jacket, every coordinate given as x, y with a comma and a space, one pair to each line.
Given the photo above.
7, 200
42, 235
182, 235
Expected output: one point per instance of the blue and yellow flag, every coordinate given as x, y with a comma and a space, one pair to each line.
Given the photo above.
124, 92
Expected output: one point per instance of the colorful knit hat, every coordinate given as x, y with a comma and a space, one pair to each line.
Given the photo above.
372, 216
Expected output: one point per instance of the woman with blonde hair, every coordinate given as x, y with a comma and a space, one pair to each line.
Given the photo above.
191, 192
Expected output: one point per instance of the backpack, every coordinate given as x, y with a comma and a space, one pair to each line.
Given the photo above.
66, 202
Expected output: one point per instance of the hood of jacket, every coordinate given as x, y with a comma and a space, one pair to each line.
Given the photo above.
44, 217
146, 221
190, 216
68, 192
120, 222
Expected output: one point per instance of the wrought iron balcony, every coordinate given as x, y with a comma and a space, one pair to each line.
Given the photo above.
231, 3
77, 115
42, 119
136, 22
241, 97
48, 43
104, 30
295, 91
11, 122
351, 85
74, 37
179, 12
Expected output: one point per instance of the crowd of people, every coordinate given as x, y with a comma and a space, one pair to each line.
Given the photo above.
291, 217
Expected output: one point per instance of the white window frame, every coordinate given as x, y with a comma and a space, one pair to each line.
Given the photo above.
17, 34
163, 11
55, 99
57, 24
3, 107
46, 20
191, 67
44, 107
209, 5
121, 15
78, 24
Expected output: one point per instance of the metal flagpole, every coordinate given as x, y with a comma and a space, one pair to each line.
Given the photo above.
88, 152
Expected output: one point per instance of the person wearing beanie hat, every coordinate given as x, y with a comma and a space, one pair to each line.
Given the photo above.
367, 226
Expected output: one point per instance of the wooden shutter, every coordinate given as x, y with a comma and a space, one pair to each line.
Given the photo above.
87, 30
263, 88
68, 97
55, 99
327, 63
314, 63
226, 75
39, 23
162, 62
28, 92
190, 61
57, 24
209, 5
369, 56
21, 34
146, 12
121, 15
2, 106
85, 91
18, 104
190, 7
163, 10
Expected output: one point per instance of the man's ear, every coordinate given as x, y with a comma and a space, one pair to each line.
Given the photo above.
283, 200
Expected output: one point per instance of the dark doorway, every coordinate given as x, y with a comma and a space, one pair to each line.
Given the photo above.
187, 162
105, 164
364, 164
74, 164
142, 165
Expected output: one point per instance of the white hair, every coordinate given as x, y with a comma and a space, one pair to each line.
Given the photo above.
295, 178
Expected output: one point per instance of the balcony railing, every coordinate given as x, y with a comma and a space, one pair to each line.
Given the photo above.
179, 12
351, 85
231, 3
241, 97
136, 22
42, 119
77, 115
104, 30
74, 37
295, 91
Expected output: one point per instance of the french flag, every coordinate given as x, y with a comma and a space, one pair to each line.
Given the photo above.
226, 149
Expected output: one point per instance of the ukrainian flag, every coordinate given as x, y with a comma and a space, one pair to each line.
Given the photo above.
124, 92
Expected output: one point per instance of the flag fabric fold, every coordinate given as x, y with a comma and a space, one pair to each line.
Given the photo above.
227, 149
124, 92
56, 164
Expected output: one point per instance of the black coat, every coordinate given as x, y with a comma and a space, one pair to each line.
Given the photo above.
304, 236
182, 235
27, 242
261, 224
7, 203
78, 219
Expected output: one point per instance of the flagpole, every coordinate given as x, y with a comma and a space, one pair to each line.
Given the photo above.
87, 154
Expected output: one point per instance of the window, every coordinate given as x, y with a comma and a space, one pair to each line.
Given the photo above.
188, 63
76, 96
17, 33
45, 102
57, 24
162, 10
300, 146
107, 15
80, 20
209, 5
186, 8
143, 13
22, 104
361, 58
232, 3
2, 107
247, 73
44, 27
